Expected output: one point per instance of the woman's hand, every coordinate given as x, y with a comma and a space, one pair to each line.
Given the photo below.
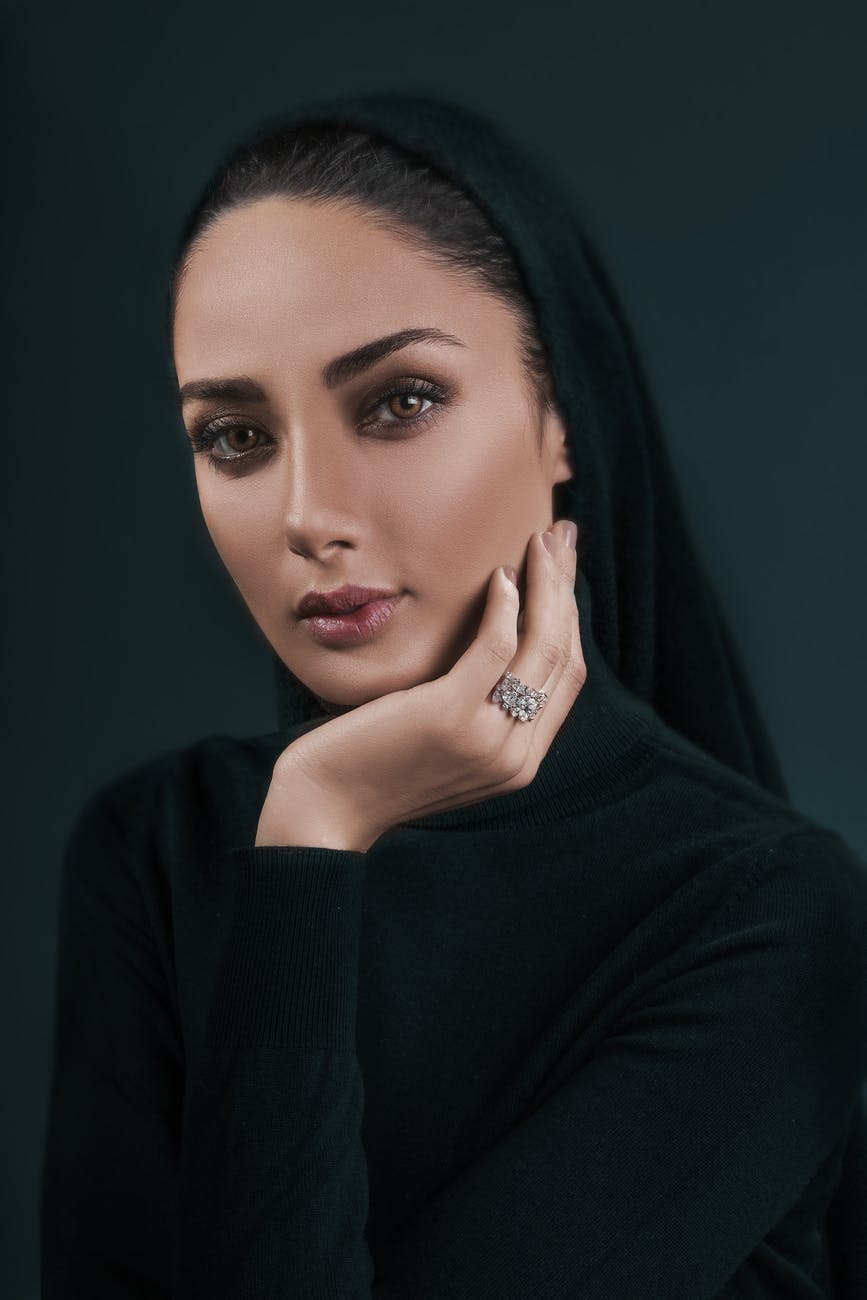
441, 744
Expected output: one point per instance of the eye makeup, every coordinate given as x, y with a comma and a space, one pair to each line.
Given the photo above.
206, 432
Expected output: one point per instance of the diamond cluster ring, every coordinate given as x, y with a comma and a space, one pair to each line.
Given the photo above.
517, 698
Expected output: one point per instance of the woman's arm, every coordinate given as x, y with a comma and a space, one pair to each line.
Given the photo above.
274, 1189
108, 1194
657, 1168
654, 1169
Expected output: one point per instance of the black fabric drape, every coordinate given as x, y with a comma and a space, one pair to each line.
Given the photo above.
656, 616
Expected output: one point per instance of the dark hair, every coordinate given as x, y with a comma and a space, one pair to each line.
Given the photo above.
402, 193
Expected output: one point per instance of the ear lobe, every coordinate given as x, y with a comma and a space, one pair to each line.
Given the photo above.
556, 437
563, 470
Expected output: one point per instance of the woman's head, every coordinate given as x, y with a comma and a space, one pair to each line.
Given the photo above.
358, 214
419, 473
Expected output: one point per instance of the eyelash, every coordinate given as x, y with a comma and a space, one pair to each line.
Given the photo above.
205, 433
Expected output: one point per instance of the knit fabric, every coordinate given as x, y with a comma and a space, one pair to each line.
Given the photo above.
599, 1037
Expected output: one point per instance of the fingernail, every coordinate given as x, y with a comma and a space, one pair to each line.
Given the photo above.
549, 542
570, 533
509, 570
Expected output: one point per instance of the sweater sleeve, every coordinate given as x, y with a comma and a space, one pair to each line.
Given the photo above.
658, 1167
227, 1162
113, 1125
274, 1183
655, 1168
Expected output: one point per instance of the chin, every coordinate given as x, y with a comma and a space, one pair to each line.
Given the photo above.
359, 684
337, 699
359, 676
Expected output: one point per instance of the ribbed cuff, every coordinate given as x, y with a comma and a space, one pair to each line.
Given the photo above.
288, 974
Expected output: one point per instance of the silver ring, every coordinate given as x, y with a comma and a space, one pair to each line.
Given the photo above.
517, 698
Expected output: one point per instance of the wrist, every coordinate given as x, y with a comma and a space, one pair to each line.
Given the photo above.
302, 813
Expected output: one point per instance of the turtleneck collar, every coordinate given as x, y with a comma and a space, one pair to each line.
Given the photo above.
597, 747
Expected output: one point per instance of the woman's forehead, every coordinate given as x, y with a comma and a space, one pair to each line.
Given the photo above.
300, 248
318, 280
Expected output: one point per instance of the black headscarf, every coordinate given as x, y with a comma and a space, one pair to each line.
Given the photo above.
655, 615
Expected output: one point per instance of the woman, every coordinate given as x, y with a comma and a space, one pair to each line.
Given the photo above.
504, 966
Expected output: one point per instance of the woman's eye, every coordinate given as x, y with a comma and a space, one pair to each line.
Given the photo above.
235, 442
241, 433
403, 402
240, 444
405, 405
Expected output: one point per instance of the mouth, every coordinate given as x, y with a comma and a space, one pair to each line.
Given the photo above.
352, 626
350, 596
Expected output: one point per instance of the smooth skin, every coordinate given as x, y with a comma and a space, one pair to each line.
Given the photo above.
317, 484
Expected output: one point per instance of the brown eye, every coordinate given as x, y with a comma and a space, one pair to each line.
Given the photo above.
228, 443
408, 401
238, 437
404, 404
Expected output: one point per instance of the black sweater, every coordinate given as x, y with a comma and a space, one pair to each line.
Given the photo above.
600, 1037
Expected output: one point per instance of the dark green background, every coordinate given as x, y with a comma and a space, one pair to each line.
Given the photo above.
718, 152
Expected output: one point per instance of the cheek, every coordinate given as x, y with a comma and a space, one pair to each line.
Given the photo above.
238, 530
482, 512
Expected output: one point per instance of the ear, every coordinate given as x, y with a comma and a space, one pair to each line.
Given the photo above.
557, 447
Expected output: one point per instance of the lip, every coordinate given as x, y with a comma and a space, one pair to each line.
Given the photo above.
352, 626
344, 598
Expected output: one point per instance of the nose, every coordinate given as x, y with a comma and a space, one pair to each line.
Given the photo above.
322, 496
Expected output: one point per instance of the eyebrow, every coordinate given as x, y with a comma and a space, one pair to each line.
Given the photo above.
338, 371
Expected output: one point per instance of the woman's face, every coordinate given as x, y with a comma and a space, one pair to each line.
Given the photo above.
336, 482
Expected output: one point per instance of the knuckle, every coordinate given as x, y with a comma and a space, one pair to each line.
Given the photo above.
511, 766
576, 671
553, 649
520, 774
501, 647
287, 771
490, 750
280, 770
